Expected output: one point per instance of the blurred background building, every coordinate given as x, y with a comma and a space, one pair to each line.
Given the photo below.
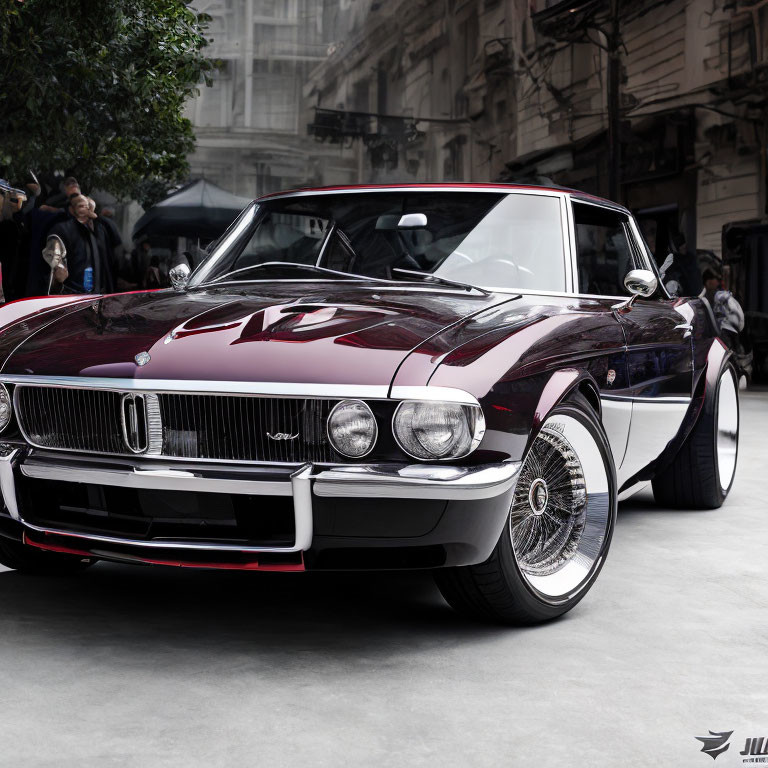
250, 127
329, 91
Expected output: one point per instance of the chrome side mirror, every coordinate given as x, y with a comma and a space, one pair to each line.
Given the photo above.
639, 282
179, 276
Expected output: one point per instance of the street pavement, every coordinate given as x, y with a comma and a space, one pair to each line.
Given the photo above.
127, 666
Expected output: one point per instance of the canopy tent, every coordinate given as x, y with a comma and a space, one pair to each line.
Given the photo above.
198, 210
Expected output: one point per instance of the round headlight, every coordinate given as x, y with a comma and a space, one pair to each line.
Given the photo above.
427, 430
6, 409
352, 428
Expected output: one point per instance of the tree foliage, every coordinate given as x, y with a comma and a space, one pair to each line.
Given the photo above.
97, 89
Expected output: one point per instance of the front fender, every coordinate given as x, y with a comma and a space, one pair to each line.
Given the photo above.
22, 318
516, 411
21, 309
558, 388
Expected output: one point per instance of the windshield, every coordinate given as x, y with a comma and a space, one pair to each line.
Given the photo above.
508, 241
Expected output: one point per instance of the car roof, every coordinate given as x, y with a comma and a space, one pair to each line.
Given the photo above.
446, 187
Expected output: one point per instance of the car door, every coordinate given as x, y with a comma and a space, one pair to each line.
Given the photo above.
657, 333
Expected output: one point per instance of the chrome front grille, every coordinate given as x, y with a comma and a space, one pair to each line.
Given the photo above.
245, 428
213, 427
71, 419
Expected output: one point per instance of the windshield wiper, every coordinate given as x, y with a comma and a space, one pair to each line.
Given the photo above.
293, 265
430, 277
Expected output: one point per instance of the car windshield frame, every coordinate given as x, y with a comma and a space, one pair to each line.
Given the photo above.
242, 230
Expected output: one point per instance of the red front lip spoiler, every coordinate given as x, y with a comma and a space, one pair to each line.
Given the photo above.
252, 565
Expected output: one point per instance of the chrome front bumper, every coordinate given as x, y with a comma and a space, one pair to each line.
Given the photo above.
418, 481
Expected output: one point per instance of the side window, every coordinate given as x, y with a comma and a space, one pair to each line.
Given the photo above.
603, 250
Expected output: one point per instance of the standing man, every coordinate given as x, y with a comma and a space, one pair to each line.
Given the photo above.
89, 268
728, 313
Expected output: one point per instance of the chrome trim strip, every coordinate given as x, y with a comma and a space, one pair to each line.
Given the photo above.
499, 189
301, 488
569, 235
8, 458
196, 386
154, 425
660, 400
598, 202
440, 394
154, 479
251, 388
130, 431
159, 543
418, 481
236, 229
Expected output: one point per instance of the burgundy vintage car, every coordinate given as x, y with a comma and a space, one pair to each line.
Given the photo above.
459, 377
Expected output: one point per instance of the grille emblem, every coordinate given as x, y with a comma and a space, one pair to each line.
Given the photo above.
142, 358
282, 436
133, 418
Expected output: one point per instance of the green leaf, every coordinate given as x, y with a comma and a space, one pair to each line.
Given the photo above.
99, 89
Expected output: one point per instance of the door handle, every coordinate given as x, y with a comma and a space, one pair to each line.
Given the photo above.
687, 327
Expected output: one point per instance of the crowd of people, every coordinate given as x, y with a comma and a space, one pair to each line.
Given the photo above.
60, 241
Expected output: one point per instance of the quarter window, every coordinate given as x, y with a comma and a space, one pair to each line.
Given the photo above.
603, 250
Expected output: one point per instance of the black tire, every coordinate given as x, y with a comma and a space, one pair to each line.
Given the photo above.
26, 559
692, 480
498, 590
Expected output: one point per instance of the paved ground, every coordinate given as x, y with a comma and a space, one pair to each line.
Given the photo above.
154, 667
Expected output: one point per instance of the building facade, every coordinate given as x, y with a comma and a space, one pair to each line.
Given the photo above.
512, 90
251, 136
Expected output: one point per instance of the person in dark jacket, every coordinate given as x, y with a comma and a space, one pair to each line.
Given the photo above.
88, 264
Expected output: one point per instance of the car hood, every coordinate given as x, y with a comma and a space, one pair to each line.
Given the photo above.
276, 332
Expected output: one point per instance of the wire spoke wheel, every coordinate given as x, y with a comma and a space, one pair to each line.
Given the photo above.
561, 510
557, 529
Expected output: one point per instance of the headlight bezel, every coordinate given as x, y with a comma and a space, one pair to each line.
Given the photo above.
475, 423
338, 406
5, 394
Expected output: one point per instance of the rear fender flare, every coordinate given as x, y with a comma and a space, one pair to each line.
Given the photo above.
703, 402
